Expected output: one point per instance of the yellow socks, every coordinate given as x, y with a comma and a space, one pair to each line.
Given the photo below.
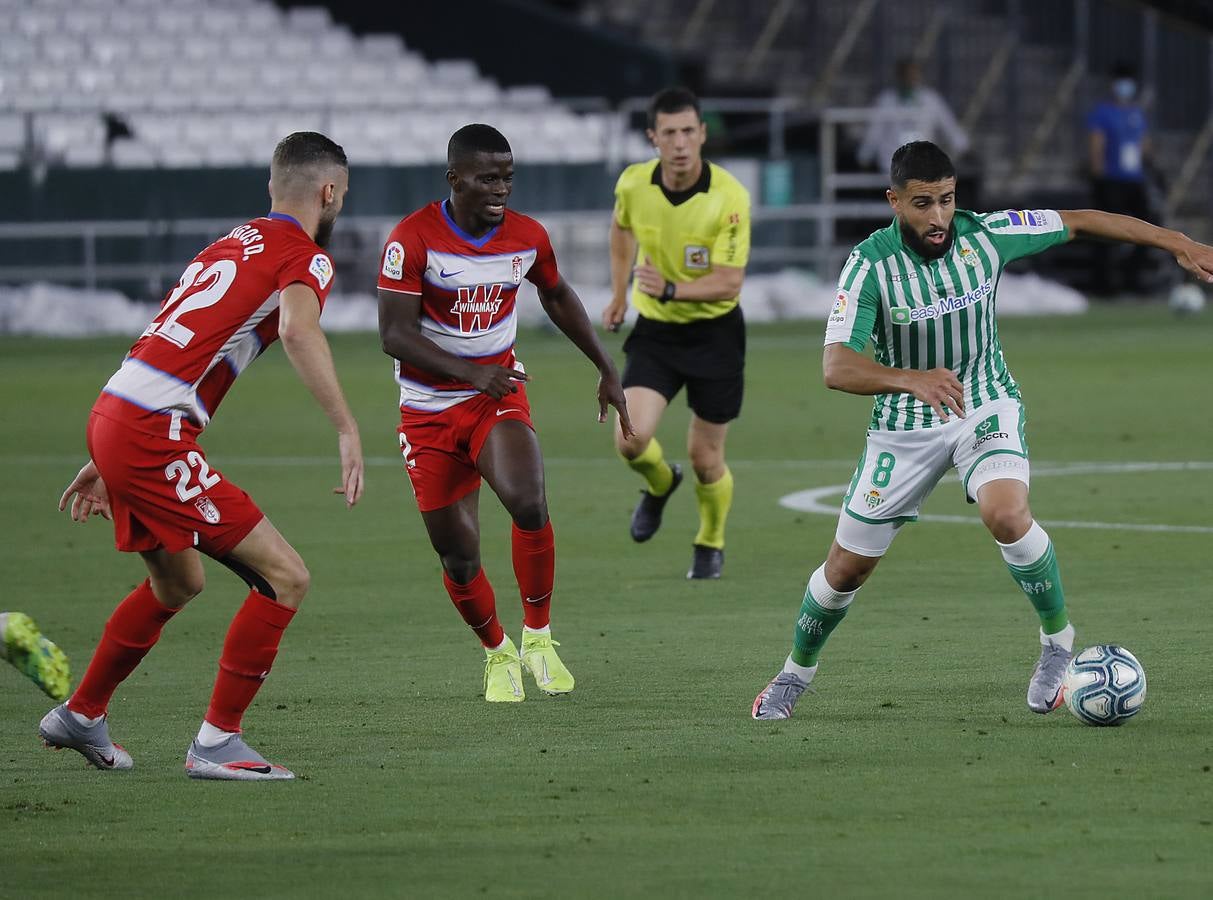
714, 502
654, 469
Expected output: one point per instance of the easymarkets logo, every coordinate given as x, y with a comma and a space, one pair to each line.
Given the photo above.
907, 315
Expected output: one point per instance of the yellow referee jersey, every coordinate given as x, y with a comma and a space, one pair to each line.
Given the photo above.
684, 234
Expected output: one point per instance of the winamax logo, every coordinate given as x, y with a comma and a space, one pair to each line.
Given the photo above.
476, 307
907, 315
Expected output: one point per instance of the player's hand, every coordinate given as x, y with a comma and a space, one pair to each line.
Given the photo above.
612, 316
940, 389
1197, 259
649, 279
88, 495
349, 446
496, 381
610, 393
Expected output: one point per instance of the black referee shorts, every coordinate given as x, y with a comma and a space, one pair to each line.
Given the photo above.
707, 356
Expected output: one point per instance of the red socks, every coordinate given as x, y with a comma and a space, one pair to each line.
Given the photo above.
132, 630
477, 606
248, 654
535, 568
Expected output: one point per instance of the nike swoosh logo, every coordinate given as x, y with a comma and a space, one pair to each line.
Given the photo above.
502, 412
109, 761
443, 273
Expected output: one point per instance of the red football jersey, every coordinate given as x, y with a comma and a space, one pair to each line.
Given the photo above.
220, 317
468, 287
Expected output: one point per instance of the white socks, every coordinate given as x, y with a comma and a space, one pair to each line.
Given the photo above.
1063, 639
804, 673
824, 595
1028, 549
210, 736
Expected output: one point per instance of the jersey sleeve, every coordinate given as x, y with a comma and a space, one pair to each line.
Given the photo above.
543, 272
402, 263
855, 304
622, 215
732, 247
1017, 233
311, 267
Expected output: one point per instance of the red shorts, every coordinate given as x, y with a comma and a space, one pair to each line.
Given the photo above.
440, 448
164, 494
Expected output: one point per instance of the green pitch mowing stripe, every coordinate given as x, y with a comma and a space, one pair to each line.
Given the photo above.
916, 771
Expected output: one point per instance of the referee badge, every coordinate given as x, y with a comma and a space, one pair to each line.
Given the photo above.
695, 257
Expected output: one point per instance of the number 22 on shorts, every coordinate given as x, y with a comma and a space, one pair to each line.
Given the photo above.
179, 470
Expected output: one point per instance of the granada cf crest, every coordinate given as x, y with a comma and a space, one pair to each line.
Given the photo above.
516, 269
209, 510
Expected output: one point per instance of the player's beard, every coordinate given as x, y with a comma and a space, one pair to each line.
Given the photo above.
324, 230
921, 247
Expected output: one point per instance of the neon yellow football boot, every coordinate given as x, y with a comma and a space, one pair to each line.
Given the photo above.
503, 675
539, 656
23, 645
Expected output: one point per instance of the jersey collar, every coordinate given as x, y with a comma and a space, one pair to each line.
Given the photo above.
283, 217
476, 242
677, 198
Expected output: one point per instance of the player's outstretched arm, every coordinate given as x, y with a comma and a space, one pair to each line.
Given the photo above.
564, 308
1195, 257
88, 495
401, 337
623, 256
308, 350
851, 372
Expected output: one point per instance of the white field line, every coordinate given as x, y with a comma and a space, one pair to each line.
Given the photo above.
811, 500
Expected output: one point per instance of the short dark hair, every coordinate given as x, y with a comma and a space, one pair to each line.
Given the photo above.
672, 100
919, 161
475, 138
308, 148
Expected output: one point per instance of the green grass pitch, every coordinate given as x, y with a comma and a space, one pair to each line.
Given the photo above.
917, 771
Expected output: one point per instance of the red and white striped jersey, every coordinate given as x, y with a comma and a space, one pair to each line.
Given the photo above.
468, 287
221, 316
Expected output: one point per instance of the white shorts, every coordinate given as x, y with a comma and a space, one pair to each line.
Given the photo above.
898, 470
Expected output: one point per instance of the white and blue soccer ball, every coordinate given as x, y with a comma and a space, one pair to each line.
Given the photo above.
1104, 685
1186, 299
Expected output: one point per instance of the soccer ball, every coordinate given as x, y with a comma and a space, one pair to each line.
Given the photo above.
1186, 299
1104, 685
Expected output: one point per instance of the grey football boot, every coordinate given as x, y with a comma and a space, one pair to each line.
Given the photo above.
232, 760
779, 697
1044, 690
61, 730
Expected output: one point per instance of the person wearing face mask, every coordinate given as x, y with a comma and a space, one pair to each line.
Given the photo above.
1118, 145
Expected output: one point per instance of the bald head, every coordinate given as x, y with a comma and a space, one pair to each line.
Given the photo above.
303, 163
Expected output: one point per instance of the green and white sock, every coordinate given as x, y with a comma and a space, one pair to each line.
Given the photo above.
1033, 565
820, 613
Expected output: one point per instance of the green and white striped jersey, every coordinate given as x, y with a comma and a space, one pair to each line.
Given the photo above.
921, 314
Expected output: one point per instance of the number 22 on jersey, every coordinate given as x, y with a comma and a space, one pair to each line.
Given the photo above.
200, 286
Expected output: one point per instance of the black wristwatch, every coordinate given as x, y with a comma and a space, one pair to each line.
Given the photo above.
667, 292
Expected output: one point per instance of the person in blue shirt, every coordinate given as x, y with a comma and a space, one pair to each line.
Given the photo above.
1119, 150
